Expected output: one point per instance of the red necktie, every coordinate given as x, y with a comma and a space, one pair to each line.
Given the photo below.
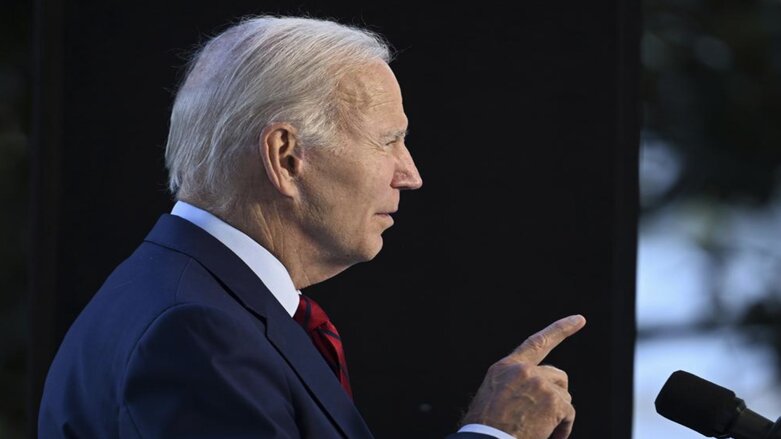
325, 338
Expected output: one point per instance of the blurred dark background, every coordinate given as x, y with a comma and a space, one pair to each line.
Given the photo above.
15, 127
525, 125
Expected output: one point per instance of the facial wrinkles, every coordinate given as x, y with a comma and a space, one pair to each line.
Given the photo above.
366, 99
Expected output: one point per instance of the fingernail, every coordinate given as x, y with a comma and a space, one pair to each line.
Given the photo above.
577, 318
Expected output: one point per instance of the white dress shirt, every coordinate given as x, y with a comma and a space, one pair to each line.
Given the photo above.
271, 272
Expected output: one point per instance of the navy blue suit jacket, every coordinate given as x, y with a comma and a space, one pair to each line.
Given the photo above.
184, 341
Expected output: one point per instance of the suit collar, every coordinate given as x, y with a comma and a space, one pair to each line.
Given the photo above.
265, 265
284, 333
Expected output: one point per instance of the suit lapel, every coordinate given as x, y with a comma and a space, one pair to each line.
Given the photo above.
284, 333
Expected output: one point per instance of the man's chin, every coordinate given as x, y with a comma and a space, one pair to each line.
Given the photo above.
362, 252
371, 251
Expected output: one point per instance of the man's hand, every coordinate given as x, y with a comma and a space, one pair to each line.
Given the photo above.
523, 398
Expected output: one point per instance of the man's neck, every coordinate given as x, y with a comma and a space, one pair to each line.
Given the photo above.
279, 235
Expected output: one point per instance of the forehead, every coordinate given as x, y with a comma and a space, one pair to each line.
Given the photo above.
373, 91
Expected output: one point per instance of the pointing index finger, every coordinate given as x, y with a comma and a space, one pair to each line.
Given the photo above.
535, 348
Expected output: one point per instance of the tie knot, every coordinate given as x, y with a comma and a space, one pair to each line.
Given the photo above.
309, 314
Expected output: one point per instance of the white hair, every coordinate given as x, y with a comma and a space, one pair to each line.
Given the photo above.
260, 71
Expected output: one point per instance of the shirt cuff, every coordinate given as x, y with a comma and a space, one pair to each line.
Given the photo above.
484, 429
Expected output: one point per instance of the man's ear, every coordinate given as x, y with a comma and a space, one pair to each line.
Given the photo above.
280, 153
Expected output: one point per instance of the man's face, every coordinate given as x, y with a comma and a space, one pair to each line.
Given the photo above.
350, 192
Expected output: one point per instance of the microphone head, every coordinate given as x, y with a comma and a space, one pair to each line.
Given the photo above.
701, 405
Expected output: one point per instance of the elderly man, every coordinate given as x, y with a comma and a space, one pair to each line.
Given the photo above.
287, 157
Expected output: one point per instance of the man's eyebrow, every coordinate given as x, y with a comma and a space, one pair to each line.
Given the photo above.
398, 134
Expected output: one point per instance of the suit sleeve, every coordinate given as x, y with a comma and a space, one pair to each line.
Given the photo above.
197, 372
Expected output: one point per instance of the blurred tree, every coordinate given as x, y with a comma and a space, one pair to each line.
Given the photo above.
712, 89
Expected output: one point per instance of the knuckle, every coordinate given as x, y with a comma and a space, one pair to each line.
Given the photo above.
523, 370
557, 374
512, 371
539, 385
499, 365
568, 412
537, 341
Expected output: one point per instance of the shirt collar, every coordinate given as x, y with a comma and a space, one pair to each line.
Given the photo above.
268, 268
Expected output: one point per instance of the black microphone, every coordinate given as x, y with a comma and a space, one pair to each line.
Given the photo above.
711, 410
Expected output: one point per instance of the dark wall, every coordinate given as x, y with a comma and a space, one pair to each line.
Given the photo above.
523, 124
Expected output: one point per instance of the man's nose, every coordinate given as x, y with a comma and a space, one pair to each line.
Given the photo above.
407, 175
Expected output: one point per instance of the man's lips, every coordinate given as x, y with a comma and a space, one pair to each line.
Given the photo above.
387, 214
